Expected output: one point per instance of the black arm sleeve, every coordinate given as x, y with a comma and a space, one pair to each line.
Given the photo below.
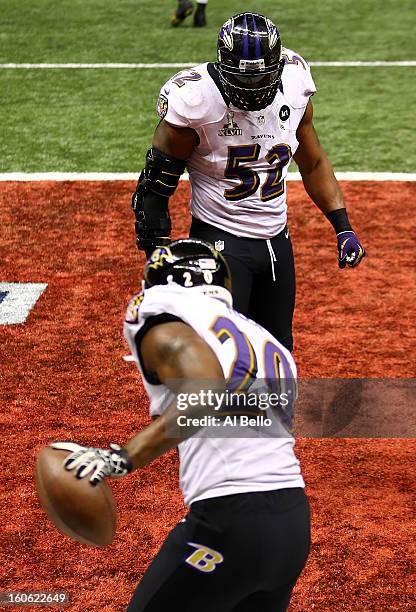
157, 182
339, 220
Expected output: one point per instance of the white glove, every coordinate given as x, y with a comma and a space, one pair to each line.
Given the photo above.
95, 462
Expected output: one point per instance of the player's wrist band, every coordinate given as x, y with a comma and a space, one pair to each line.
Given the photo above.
339, 220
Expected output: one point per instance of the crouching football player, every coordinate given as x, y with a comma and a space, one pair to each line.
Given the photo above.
245, 540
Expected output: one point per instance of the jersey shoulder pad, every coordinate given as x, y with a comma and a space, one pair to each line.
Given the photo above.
297, 81
160, 299
185, 100
172, 299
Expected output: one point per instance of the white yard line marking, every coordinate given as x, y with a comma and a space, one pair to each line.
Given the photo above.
358, 64
69, 176
133, 176
98, 66
17, 301
115, 65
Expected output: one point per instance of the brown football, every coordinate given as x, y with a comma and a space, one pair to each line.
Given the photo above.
83, 512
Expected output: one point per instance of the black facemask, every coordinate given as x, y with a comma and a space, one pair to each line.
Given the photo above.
251, 93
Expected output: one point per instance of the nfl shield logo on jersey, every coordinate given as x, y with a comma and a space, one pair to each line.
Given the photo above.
219, 245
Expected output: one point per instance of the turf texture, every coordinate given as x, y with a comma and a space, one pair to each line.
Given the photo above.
103, 120
63, 377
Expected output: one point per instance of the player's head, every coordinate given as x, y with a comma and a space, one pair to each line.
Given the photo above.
189, 262
249, 60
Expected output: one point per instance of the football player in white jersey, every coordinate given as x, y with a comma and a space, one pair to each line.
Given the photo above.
246, 537
236, 124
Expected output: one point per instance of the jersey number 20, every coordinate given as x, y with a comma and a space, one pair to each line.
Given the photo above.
278, 157
278, 376
244, 369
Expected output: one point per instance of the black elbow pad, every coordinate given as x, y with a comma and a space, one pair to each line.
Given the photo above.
160, 176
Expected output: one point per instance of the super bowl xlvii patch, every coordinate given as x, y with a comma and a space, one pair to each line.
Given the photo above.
230, 128
162, 106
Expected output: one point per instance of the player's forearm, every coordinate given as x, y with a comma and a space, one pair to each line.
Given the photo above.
322, 186
161, 436
166, 432
150, 443
186, 365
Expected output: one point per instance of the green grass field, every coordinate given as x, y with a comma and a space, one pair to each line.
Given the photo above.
102, 120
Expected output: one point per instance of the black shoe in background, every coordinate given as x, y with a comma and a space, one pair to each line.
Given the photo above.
182, 12
199, 16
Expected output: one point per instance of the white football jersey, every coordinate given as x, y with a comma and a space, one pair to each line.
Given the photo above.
238, 169
217, 466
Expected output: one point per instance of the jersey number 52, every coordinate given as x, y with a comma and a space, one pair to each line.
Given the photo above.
278, 157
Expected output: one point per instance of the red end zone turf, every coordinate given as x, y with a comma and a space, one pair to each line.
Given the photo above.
62, 376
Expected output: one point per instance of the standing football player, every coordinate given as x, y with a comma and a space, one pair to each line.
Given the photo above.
237, 124
246, 537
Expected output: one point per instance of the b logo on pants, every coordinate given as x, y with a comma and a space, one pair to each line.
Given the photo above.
203, 558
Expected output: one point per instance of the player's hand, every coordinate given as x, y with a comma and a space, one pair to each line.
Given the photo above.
350, 249
97, 463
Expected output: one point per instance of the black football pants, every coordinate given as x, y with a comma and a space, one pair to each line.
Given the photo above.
237, 553
263, 289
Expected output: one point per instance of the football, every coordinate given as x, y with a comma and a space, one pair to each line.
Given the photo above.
79, 510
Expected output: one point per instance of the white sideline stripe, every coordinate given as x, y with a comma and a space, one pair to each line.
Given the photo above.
70, 176
339, 64
358, 64
133, 176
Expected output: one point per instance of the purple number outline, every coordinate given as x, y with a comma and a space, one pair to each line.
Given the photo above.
273, 186
244, 366
180, 79
275, 364
296, 59
249, 179
279, 376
